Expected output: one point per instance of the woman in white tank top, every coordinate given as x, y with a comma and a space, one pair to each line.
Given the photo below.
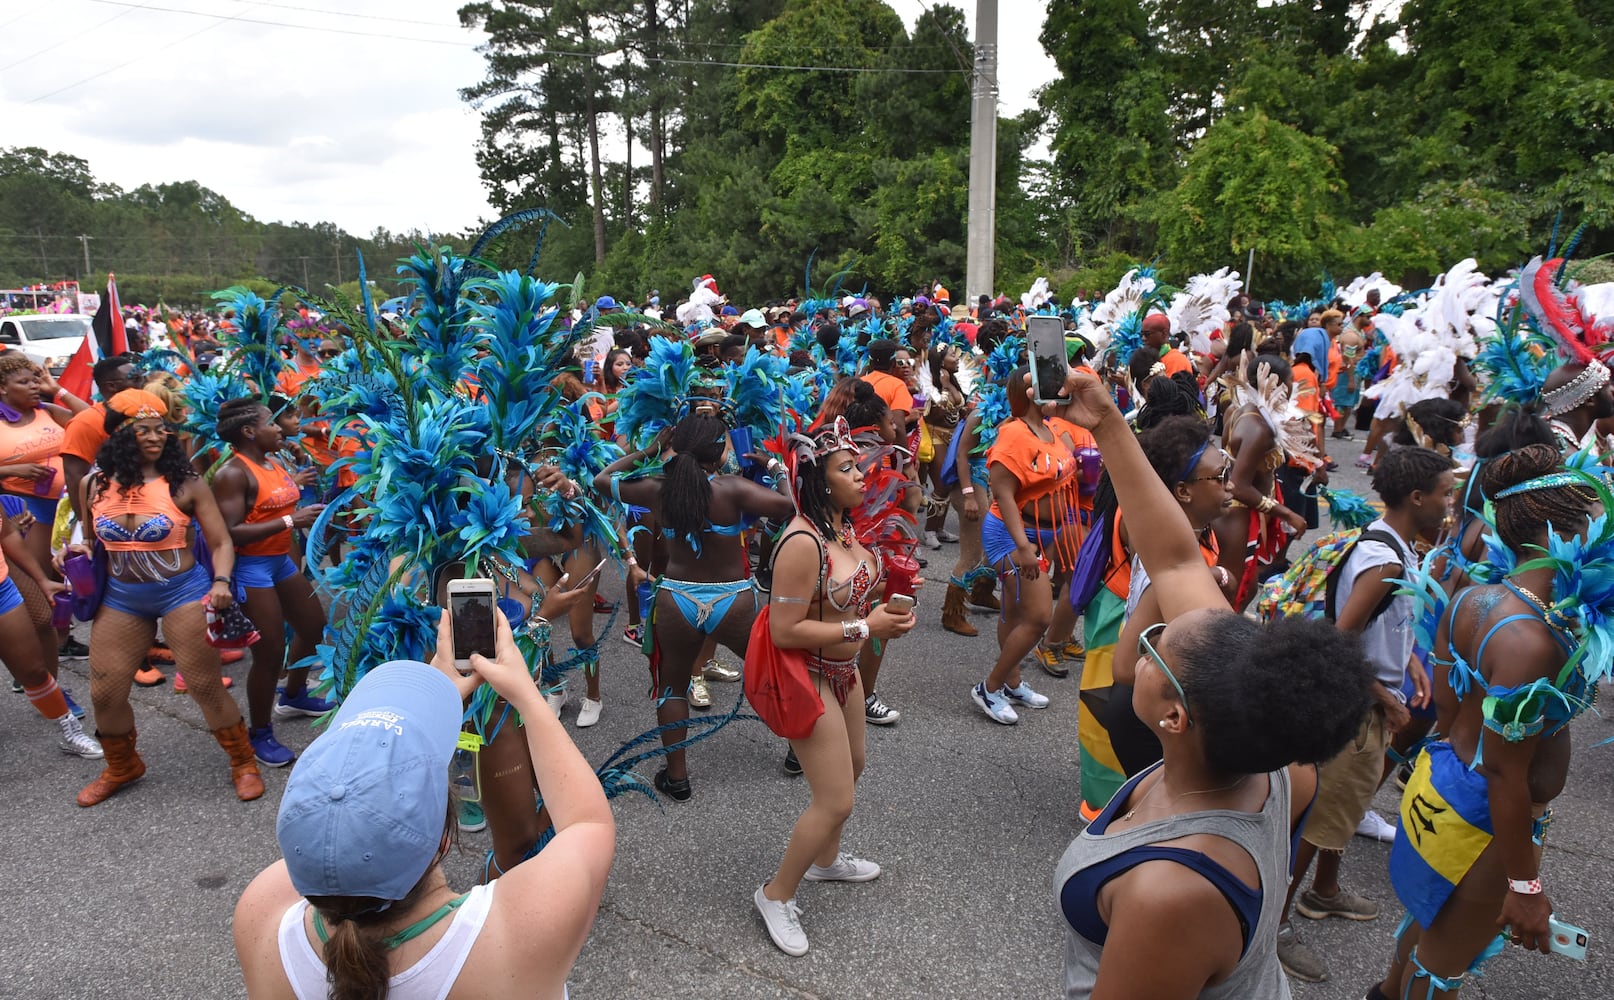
360, 908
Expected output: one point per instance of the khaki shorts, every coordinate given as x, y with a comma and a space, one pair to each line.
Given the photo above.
1346, 784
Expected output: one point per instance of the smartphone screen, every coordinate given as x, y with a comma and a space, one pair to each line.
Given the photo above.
1045, 342
472, 614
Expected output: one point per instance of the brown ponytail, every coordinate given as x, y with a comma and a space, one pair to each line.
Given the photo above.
356, 965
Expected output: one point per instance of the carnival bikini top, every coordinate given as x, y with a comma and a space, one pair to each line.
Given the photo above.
1540, 708
156, 533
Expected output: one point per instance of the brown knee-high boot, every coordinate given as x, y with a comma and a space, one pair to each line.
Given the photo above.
981, 593
954, 617
243, 766
123, 765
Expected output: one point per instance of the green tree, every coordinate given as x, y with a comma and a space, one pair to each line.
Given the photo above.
1255, 184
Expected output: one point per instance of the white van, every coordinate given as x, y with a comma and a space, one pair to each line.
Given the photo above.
49, 340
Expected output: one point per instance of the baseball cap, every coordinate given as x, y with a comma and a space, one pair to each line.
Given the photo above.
604, 302
730, 311
363, 810
754, 317
857, 308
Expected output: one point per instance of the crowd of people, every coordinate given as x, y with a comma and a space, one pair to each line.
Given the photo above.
298, 483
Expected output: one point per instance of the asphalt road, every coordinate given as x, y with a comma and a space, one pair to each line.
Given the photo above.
134, 897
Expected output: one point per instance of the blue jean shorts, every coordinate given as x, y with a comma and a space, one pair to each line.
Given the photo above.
155, 600
263, 572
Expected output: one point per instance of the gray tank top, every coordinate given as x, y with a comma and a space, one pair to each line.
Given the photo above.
1264, 835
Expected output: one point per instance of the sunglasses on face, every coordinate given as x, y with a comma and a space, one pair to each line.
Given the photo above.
327, 354
1223, 477
1147, 648
904, 364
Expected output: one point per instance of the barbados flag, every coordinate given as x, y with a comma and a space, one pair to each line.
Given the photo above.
1445, 826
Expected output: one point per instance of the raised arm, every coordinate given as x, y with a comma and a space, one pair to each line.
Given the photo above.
1170, 552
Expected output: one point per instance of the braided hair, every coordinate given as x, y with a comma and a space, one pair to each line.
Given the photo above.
1521, 516
686, 493
235, 416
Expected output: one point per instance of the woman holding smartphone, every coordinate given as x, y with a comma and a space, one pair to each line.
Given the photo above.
824, 586
329, 920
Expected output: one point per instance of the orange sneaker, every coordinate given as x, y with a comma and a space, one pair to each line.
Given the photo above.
232, 656
149, 676
160, 655
180, 687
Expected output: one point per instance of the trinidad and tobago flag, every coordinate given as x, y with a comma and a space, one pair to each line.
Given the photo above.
108, 340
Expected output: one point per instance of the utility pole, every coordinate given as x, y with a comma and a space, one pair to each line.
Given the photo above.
982, 233
86, 241
304, 259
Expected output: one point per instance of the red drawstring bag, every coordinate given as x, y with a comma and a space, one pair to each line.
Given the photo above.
777, 684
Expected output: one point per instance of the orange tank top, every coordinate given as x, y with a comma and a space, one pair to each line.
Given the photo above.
277, 497
39, 442
161, 525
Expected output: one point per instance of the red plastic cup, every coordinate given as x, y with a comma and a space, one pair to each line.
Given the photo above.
900, 571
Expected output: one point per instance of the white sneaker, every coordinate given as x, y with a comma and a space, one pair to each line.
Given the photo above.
556, 700
783, 921
997, 709
1376, 827
931, 541
589, 713
946, 536
1023, 695
845, 869
76, 741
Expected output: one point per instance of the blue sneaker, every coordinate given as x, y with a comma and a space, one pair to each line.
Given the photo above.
268, 749
304, 704
73, 706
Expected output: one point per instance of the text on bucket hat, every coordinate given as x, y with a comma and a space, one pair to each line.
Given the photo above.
364, 808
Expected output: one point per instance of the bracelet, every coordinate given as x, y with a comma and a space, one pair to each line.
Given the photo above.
631, 561
221, 579
1267, 505
967, 490
286, 520
1528, 887
855, 630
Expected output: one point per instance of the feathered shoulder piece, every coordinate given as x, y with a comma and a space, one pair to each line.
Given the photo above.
1037, 297
1004, 359
1267, 395
1553, 305
1346, 509
1116, 324
650, 400
1514, 360
1200, 309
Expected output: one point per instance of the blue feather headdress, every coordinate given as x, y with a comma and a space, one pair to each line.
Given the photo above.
649, 401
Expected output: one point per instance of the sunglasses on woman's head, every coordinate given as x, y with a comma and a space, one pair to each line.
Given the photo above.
1147, 648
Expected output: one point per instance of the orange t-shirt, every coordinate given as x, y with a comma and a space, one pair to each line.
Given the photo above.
1307, 396
1336, 364
1040, 466
290, 381
40, 442
891, 389
86, 433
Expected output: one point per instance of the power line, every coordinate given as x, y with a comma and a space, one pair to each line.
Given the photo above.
138, 58
67, 38
539, 52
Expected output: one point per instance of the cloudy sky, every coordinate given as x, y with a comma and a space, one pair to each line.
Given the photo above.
296, 110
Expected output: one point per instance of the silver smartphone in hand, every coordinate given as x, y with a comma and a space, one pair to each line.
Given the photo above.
471, 604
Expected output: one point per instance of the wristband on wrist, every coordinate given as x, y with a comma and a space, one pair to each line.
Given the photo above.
1267, 505
221, 579
286, 520
1527, 887
967, 490
855, 630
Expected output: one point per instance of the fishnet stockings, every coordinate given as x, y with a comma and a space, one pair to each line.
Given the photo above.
39, 614
119, 643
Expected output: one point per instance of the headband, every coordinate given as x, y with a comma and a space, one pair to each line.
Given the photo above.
1550, 481
138, 404
1189, 468
1576, 391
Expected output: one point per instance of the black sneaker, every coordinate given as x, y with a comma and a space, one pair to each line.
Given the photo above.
792, 765
878, 713
72, 649
677, 789
16, 687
